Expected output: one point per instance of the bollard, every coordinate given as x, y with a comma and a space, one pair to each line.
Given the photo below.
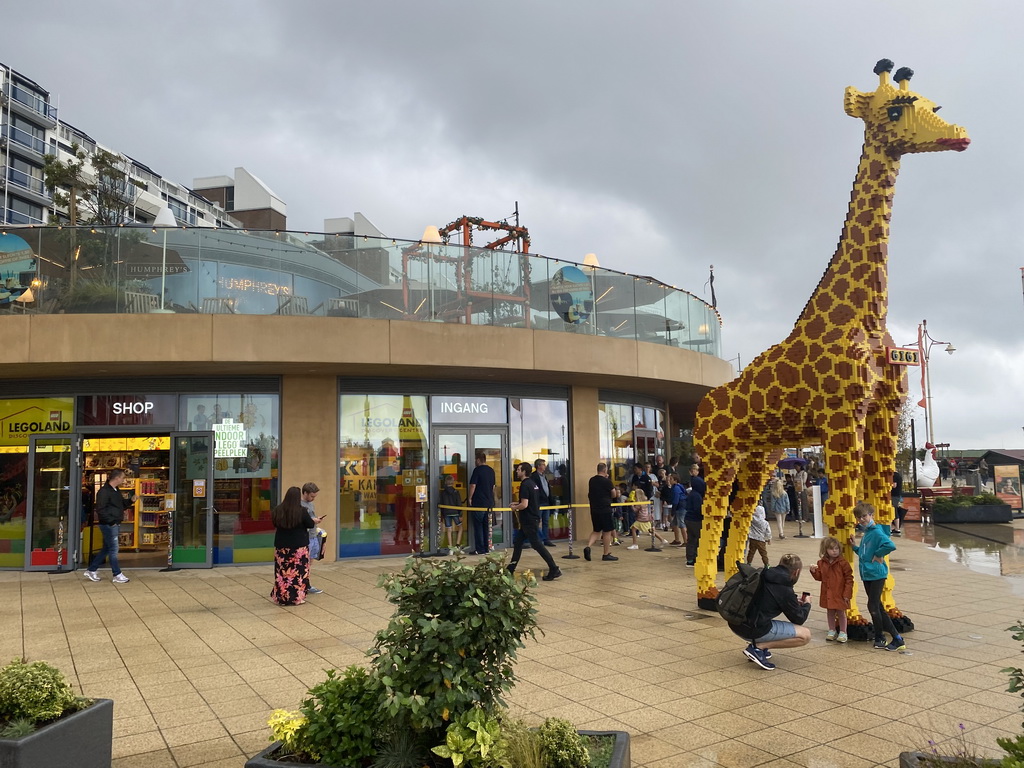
572, 534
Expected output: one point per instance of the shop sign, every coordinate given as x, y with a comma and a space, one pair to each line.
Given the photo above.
468, 410
127, 410
34, 416
230, 440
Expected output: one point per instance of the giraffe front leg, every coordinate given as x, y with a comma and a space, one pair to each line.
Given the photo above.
879, 465
844, 450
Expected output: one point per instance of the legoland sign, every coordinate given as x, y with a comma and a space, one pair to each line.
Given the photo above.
20, 419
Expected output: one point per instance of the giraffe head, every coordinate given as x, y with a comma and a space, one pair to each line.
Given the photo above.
899, 121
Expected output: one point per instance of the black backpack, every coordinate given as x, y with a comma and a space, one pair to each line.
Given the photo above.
738, 598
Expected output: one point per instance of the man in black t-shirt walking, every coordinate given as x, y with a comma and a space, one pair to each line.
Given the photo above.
600, 496
528, 508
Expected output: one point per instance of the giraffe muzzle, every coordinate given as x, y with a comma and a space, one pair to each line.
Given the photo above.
957, 144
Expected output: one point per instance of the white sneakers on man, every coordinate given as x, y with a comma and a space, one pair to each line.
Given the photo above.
92, 576
120, 579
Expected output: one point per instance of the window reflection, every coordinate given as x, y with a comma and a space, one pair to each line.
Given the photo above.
538, 429
629, 434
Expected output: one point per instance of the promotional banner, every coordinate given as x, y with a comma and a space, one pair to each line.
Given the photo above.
1007, 484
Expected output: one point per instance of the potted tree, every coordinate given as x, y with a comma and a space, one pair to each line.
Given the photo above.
43, 724
433, 692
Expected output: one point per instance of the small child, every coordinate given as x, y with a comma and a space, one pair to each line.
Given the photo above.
642, 522
836, 577
759, 536
452, 517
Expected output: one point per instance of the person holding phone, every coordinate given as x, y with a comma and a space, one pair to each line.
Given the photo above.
775, 597
309, 493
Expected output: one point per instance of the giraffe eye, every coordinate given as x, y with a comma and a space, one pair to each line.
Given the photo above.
895, 113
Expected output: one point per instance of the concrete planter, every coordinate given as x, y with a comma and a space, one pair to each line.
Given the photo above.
620, 753
973, 513
84, 740
924, 760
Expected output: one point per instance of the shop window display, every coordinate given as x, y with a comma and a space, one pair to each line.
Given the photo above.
383, 459
246, 484
538, 429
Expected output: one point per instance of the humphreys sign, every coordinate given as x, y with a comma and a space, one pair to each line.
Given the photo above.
468, 410
127, 410
20, 419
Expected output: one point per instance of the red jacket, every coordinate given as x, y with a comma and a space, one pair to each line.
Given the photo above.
836, 579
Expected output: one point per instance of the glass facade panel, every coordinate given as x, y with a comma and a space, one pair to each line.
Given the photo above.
383, 458
246, 484
538, 429
629, 434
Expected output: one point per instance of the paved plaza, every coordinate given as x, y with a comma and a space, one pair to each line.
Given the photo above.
196, 660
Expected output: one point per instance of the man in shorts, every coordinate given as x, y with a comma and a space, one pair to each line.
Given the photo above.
776, 596
600, 496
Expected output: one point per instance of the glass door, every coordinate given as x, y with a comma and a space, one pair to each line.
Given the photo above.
53, 473
192, 486
454, 454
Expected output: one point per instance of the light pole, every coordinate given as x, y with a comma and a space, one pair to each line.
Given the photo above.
164, 221
924, 344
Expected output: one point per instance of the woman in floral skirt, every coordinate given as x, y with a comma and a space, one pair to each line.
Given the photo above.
291, 549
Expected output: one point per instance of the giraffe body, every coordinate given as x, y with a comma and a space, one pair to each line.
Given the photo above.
829, 382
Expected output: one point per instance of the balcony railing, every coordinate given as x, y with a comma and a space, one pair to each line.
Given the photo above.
31, 100
24, 138
24, 180
204, 270
12, 216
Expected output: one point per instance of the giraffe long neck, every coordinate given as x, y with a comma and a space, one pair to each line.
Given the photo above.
854, 288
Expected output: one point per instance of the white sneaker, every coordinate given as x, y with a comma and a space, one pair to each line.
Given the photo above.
92, 576
633, 546
119, 579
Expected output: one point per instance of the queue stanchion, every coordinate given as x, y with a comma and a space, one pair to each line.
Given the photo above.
169, 510
654, 547
572, 533
490, 531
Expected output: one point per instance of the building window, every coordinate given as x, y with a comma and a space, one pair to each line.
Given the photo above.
539, 429
629, 434
245, 486
383, 458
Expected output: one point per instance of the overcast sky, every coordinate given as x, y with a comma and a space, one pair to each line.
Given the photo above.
663, 136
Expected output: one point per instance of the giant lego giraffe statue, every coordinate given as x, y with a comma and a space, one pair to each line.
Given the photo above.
829, 382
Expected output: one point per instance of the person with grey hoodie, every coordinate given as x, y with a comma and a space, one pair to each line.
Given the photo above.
758, 537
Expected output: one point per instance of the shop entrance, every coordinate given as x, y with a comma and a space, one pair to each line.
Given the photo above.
170, 475
454, 452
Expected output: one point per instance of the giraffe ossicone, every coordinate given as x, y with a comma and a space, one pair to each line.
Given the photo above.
829, 382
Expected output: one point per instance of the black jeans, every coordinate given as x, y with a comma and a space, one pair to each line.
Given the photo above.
879, 618
692, 539
528, 531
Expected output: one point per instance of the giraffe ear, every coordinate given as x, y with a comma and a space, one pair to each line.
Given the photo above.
855, 102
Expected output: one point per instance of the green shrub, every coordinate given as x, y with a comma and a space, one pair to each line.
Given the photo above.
563, 747
949, 503
36, 691
18, 729
522, 745
474, 740
451, 644
342, 716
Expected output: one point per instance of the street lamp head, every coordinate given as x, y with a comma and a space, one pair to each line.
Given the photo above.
950, 349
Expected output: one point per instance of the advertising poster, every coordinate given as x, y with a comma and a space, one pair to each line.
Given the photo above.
1007, 484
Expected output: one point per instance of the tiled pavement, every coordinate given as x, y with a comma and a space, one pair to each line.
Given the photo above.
196, 660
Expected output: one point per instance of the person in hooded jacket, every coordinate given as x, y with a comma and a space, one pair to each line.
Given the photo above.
874, 545
758, 536
775, 597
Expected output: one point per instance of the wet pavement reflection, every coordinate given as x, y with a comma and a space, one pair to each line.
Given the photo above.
994, 549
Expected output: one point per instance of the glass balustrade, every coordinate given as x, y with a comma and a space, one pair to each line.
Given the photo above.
223, 271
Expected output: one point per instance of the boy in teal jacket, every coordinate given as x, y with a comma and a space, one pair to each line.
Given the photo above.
874, 545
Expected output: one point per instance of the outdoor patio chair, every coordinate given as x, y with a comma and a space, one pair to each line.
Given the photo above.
292, 305
140, 303
218, 306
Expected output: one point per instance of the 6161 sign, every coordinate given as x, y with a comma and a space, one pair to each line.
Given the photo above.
904, 355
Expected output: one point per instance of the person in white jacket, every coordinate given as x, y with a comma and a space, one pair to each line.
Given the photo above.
758, 536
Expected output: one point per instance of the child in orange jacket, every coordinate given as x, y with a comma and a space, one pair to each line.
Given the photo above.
836, 577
